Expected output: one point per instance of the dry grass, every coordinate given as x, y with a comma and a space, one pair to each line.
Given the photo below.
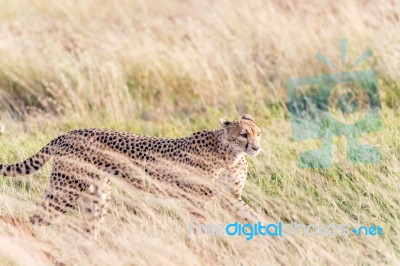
168, 68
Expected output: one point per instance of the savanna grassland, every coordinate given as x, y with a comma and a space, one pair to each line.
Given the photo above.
169, 68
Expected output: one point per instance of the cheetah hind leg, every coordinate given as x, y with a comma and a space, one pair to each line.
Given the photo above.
95, 203
61, 196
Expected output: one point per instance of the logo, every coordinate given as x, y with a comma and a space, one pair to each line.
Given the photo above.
280, 229
337, 104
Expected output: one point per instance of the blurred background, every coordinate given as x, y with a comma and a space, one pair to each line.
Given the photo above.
153, 60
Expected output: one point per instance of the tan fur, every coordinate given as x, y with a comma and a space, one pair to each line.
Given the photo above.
83, 161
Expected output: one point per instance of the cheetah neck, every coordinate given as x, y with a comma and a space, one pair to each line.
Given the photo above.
230, 155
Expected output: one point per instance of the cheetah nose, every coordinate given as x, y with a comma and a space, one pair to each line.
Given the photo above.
256, 148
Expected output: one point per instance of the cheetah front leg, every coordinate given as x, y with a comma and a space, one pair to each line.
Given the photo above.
231, 185
96, 200
240, 209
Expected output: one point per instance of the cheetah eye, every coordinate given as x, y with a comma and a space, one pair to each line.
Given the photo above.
244, 135
258, 134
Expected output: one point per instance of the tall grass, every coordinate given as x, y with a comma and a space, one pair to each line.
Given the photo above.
168, 68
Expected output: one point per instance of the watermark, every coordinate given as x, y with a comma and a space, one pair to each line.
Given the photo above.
337, 104
280, 229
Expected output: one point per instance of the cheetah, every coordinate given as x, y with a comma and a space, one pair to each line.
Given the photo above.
84, 161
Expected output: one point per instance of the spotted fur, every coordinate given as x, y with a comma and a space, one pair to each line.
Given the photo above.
83, 161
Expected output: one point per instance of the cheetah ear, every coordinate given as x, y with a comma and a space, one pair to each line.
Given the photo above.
248, 117
223, 122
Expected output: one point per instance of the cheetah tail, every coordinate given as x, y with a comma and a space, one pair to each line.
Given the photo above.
28, 166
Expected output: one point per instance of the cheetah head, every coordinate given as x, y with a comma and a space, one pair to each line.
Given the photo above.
243, 135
